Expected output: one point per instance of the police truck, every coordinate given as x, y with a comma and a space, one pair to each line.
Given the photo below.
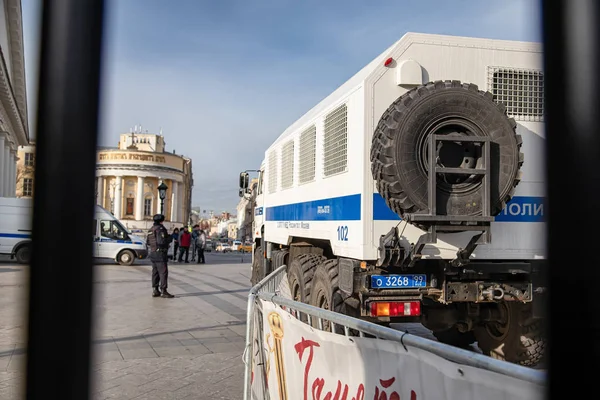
415, 193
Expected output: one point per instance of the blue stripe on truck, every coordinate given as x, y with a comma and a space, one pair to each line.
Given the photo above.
347, 208
16, 235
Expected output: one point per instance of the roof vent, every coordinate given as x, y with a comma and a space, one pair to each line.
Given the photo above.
409, 73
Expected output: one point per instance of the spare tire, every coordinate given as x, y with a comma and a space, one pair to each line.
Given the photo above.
399, 161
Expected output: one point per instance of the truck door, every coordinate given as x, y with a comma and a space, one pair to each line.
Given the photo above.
112, 237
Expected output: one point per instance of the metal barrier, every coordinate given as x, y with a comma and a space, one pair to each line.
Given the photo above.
267, 290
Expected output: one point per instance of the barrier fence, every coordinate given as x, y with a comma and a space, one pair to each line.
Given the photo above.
297, 351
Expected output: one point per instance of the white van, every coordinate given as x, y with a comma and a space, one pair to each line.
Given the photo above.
111, 239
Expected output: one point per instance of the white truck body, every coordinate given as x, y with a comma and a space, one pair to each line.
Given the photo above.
346, 208
15, 231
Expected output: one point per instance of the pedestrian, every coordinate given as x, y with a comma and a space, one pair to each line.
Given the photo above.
159, 240
200, 246
195, 233
185, 240
175, 236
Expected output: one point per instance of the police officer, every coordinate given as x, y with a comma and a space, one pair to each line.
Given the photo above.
159, 240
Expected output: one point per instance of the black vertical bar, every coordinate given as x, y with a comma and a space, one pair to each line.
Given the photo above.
60, 297
571, 39
433, 142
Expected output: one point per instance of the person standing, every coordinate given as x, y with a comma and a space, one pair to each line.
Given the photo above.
175, 236
200, 246
195, 232
185, 240
159, 240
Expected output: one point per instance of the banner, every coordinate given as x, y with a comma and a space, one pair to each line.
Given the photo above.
302, 363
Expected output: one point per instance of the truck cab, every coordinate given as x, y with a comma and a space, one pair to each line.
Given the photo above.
113, 240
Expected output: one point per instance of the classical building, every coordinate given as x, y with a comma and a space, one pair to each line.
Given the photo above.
128, 178
25, 170
14, 129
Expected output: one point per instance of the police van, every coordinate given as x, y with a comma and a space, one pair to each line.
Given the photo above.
111, 238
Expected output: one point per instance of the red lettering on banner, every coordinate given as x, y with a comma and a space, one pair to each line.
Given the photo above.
341, 392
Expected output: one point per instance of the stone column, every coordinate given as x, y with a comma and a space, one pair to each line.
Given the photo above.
3, 173
100, 192
13, 173
139, 199
118, 196
6, 171
174, 202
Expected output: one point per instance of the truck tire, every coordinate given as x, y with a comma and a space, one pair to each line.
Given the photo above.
300, 274
126, 257
454, 337
23, 254
257, 267
325, 292
518, 338
399, 162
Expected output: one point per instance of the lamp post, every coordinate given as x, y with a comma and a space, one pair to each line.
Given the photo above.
162, 193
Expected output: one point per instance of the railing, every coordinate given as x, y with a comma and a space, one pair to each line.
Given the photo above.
268, 290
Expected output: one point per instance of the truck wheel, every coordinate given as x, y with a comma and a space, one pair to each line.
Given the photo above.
515, 338
399, 161
257, 267
325, 292
454, 337
23, 254
300, 274
126, 257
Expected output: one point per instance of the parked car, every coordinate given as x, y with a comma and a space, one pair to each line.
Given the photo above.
246, 247
236, 245
224, 248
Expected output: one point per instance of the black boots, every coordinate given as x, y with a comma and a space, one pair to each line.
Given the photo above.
165, 294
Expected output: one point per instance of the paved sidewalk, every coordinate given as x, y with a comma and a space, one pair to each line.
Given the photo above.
189, 347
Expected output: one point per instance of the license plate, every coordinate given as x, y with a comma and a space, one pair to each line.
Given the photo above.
398, 281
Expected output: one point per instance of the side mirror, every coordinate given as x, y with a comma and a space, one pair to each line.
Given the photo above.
244, 180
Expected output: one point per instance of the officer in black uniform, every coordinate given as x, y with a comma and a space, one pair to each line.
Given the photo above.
159, 240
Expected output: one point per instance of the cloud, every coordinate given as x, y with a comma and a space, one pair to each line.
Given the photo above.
225, 78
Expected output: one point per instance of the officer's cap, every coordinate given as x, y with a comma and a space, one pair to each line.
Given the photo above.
159, 218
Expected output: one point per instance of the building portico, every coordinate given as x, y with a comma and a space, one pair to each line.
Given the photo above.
128, 179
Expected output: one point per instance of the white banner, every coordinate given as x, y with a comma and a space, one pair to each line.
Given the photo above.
308, 364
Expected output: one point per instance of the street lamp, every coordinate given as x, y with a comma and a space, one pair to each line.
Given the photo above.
162, 193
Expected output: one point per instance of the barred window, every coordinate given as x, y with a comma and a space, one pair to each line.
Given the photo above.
29, 160
272, 168
148, 207
27, 187
335, 146
307, 155
520, 90
287, 165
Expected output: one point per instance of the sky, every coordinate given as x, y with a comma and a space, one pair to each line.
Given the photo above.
224, 78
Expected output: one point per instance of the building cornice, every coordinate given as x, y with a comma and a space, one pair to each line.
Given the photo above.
148, 168
14, 18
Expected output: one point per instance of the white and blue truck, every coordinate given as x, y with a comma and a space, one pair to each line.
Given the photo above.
111, 239
415, 193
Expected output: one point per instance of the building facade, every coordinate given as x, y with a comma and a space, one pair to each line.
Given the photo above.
128, 178
14, 127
